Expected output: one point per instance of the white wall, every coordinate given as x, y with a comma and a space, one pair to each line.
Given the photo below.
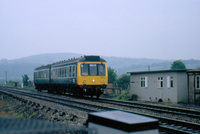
182, 87
176, 93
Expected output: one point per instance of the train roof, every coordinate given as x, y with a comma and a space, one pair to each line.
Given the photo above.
88, 58
91, 58
43, 67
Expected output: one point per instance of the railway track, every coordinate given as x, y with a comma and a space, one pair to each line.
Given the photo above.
158, 108
166, 124
72, 104
170, 124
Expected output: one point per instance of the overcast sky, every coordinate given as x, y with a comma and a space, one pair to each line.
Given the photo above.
159, 29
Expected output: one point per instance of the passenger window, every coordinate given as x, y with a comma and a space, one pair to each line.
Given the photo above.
53, 75
74, 71
93, 69
70, 71
67, 71
56, 73
39, 75
101, 69
62, 72
59, 72
84, 69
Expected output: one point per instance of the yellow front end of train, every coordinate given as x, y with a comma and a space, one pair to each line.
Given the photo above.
92, 75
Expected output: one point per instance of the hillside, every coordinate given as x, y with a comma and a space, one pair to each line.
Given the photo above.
18, 67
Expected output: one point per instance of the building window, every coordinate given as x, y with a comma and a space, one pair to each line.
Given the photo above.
170, 82
143, 81
197, 83
160, 82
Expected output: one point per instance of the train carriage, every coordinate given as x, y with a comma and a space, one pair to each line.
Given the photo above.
63, 76
81, 76
42, 77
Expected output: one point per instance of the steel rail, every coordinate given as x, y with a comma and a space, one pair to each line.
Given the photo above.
158, 108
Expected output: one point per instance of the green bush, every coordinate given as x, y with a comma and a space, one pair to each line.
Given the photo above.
124, 96
14, 83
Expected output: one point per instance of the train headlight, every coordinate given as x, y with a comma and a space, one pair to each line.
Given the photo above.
84, 81
102, 81
93, 80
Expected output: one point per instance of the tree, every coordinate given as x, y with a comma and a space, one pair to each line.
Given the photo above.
123, 81
177, 64
112, 75
25, 79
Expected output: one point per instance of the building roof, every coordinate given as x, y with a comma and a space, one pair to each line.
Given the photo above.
157, 71
194, 71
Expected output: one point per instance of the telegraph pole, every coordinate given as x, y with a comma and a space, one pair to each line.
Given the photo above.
6, 76
149, 68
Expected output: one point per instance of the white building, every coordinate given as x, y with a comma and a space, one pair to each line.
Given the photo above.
162, 85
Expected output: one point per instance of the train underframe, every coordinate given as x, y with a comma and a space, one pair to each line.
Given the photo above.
93, 90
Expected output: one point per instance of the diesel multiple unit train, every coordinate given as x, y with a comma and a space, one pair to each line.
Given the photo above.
81, 76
